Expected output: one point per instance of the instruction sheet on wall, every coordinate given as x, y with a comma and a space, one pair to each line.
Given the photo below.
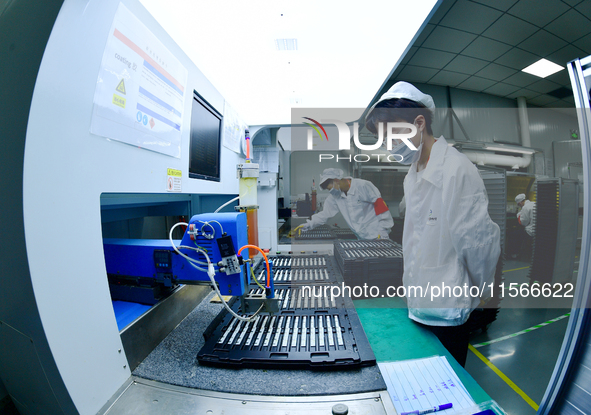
140, 91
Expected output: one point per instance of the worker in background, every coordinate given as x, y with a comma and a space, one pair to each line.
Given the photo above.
448, 236
525, 216
358, 200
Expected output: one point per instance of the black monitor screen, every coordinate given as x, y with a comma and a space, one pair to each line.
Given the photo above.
206, 132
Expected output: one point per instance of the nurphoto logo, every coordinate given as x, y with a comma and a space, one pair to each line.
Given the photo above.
403, 131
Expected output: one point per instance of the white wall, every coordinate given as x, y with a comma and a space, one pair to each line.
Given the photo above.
65, 171
548, 125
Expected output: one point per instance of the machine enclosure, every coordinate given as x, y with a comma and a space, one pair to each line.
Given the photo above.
148, 258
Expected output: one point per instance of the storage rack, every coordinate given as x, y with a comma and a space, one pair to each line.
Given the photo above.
555, 223
495, 183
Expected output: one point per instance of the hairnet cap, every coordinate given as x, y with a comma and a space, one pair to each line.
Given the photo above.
332, 173
405, 90
519, 198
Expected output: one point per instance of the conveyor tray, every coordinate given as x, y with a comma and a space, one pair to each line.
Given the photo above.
320, 232
315, 234
331, 339
326, 232
375, 262
302, 298
346, 234
299, 269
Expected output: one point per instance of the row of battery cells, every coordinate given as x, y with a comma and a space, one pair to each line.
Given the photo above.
310, 298
296, 275
285, 333
367, 244
372, 253
316, 235
294, 261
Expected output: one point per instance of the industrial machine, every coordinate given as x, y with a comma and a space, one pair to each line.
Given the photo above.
211, 252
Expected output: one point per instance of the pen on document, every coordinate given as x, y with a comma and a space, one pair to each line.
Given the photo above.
428, 411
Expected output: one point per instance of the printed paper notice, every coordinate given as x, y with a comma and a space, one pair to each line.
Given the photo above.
140, 91
174, 182
234, 129
423, 383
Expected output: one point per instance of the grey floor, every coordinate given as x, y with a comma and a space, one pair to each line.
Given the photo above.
528, 359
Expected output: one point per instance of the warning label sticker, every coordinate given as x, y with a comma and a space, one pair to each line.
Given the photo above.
174, 180
119, 101
121, 87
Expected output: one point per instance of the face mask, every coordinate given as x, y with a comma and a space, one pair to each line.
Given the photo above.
407, 155
335, 191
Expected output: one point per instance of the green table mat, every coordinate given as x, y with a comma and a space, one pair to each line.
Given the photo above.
393, 336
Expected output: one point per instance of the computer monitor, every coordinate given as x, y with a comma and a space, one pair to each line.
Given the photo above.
206, 134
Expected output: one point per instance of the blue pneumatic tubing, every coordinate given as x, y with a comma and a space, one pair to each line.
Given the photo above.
270, 292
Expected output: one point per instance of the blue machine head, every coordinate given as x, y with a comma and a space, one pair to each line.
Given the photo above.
221, 235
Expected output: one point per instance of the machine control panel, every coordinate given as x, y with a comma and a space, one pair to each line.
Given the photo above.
228, 254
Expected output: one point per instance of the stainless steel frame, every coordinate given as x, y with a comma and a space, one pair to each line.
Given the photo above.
580, 315
147, 331
146, 397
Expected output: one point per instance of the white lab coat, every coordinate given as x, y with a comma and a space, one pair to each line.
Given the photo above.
448, 236
402, 207
358, 210
526, 217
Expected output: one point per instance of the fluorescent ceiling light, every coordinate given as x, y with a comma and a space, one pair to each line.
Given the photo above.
286, 44
522, 150
543, 68
482, 146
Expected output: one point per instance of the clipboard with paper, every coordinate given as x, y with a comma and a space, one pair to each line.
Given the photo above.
420, 384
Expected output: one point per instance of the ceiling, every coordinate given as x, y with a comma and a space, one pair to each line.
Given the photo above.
342, 56
482, 45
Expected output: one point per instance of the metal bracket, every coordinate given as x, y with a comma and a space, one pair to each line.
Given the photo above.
252, 302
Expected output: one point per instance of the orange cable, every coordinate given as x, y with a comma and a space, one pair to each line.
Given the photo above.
266, 260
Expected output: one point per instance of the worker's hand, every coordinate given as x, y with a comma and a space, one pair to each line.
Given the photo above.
298, 230
383, 234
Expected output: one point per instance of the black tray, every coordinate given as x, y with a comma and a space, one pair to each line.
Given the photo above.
333, 339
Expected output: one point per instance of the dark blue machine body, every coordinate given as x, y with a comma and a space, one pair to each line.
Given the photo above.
145, 259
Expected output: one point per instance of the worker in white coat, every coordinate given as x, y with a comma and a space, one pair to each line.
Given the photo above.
360, 203
449, 240
525, 216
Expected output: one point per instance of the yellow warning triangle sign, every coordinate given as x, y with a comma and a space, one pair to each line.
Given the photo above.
121, 87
